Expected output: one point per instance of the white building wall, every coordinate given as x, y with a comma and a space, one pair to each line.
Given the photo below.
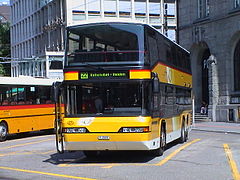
149, 11
35, 30
38, 26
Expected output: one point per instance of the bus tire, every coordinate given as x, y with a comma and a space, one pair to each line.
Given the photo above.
3, 131
160, 150
183, 137
187, 129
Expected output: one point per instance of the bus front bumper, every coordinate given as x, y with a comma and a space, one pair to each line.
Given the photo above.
73, 142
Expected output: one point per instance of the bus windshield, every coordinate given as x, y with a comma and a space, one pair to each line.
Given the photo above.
101, 43
108, 98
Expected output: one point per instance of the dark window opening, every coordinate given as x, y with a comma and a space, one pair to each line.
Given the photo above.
22, 95
108, 98
237, 67
56, 65
105, 43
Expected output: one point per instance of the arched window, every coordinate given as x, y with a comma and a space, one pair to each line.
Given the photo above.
237, 67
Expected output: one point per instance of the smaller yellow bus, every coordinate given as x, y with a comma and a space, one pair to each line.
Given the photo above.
25, 105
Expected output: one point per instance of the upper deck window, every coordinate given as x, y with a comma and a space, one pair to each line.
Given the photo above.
105, 43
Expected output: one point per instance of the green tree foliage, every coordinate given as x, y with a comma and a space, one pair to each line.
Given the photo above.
5, 69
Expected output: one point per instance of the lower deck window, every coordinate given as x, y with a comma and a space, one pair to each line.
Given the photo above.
113, 98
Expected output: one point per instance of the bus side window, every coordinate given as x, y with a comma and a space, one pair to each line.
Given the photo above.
169, 55
174, 55
169, 90
3, 96
152, 46
5, 102
188, 65
155, 101
161, 48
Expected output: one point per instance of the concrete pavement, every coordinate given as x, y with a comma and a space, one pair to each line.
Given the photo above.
223, 127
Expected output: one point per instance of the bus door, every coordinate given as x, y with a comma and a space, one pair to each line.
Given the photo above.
58, 116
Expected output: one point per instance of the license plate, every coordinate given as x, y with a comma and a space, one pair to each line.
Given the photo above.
103, 137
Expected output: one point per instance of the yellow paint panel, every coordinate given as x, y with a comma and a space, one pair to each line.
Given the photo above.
140, 74
107, 124
161, 70
170, 75
71, 76
114, 137
27, 119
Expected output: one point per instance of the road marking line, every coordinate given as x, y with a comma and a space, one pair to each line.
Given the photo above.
110, 165
25, 153
45, 173
106, 167
175, 152
12, 153
8, 147
66, 164
48, 152
86, 165
232, 163
26, 138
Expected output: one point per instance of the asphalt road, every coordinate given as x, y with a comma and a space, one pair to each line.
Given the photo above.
206, 155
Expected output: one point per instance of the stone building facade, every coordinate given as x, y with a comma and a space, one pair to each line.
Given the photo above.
210, 30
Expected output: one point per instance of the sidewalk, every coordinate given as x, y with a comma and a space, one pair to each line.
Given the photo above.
223, 127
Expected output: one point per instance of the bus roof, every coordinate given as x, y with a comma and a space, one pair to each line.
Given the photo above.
120, 20
108, 20
27, 80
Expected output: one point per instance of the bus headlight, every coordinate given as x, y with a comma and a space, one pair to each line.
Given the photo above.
134, 129
75, 130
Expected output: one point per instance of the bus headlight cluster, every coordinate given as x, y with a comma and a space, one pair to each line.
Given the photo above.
134, 129
75, 130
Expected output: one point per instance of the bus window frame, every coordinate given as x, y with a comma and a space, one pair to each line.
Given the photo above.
26, 100
147, 99
141, 51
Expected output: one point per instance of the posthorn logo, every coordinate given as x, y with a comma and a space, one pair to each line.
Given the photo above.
84, 75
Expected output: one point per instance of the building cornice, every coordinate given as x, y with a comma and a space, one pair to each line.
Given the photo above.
208, 20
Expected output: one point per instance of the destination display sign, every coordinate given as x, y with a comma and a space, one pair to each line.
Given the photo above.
104, 75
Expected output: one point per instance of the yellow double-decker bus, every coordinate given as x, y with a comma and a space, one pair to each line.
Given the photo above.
126, 87
25, 105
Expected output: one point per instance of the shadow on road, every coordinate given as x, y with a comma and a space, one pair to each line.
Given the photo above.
104, 157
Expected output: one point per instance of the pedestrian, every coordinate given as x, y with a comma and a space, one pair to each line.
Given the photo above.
203, 108
98, 104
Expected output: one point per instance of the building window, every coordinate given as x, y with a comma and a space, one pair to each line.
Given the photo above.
203, 8
237, 67
236, 3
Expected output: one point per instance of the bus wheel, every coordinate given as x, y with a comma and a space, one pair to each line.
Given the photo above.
183, 137
3, 131
90, 154
160, 150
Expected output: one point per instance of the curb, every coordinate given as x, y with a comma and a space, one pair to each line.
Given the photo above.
216, 131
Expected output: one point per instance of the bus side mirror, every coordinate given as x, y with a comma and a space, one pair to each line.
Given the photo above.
56, 91
156, 85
